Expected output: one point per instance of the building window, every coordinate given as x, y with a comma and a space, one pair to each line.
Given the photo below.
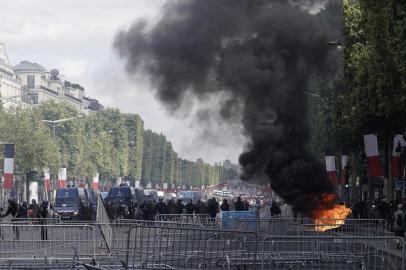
34, 98
30, 81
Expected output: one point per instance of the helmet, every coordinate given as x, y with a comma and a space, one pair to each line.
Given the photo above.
11, 201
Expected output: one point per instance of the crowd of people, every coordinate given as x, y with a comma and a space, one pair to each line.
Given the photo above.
23, 210
393, 212
34, 211
147, 210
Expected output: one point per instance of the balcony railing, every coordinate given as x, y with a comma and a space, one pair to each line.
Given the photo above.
73, 98
49, 90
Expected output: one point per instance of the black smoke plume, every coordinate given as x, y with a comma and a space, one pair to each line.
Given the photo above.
261, 54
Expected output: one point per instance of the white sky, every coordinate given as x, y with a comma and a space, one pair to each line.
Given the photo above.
75, 36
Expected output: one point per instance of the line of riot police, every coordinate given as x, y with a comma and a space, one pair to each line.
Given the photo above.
148, 209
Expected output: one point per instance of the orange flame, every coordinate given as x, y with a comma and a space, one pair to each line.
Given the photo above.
330, 215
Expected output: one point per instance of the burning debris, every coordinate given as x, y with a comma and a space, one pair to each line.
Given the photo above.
261, 54
330, 214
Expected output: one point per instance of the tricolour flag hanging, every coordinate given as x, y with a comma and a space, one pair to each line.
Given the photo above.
8, 166
47, 180
95, 182
344, 163
397, 172
62, 179
331, 168
372, 153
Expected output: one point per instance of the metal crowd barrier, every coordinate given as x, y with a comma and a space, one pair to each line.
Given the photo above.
352, 227
327, 252
201, 219
31, 221
52, 242
192, 242
120, 228
103, 218
264, 226
306, 226
187, 218
151, 247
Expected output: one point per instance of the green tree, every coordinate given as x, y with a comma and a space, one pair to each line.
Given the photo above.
35, 147
135, 128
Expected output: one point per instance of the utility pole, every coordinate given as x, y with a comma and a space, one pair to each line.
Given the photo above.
53, 124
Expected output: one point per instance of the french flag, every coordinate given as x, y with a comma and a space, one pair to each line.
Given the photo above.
95, 182
396, 166
372, 153
62, 179
8, 166
47, 180
331, 168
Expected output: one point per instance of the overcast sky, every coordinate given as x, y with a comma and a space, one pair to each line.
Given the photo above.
75, 36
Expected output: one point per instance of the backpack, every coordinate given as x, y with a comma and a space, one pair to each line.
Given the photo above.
399, 219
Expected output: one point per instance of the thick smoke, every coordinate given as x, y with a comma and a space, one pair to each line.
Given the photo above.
260, 54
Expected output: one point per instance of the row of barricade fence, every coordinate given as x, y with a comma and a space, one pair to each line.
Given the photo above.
163, 244
198, 241
171, 247
284, 225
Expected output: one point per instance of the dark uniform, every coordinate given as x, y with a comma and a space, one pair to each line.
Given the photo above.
225, 206
239, 205
213, 208
179, 206
13, 210
190, 208
42, 215
161, 208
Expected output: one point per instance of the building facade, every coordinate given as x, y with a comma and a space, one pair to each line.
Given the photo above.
30, 84
10, 85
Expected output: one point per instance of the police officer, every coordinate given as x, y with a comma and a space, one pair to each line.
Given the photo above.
161, 208
42, 215
189, 207
13, 210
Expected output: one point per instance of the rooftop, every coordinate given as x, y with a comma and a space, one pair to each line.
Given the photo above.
28, 66
3, 55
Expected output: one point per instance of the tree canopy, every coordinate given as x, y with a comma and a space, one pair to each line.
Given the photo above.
109, 142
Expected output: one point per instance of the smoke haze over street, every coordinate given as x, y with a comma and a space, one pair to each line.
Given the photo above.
255, 58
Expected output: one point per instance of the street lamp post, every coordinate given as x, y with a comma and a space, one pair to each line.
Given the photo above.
53, 124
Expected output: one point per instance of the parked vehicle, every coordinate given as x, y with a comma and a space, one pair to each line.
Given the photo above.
169, 196
72, 203
161, 194
120, 201
185, 196
151, 194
